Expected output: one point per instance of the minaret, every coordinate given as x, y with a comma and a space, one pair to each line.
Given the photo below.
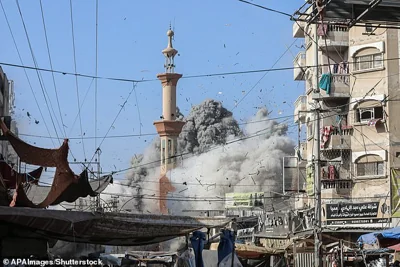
168, 128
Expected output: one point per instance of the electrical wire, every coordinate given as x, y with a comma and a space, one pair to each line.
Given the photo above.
95, 86
51, 67
265, 74
76, 77
39, 75
266, 8
26, 74
184, 77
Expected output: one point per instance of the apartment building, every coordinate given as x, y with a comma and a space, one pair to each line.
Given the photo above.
358, 70
7, 98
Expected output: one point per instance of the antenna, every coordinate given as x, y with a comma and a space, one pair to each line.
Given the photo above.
173, 29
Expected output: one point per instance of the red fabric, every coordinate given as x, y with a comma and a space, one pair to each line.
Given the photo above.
325, 135
331, 172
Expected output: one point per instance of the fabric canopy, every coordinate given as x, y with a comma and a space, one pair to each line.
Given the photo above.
114, 229
37, 193
11, 178
66, 185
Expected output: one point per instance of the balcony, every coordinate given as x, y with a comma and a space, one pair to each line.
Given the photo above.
299, 64
340, 87
301, 150
298, 29
338, 139
337, 187
300, 106
337, 37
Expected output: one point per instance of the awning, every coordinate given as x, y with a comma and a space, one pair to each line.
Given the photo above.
114, 229
369, 104
254, 252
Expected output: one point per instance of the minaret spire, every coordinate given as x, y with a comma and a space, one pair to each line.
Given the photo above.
169, 53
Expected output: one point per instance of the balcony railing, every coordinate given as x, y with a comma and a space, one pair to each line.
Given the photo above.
336, 36
300, 105
337, 186
339, 139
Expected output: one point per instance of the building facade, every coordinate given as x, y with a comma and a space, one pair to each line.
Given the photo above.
358, 73
7, 98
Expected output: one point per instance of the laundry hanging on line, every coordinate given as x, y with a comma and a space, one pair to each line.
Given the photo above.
325, 83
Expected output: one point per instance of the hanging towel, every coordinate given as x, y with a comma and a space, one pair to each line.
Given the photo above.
198, 239
326, 132
325, 83
322, 29
332, 172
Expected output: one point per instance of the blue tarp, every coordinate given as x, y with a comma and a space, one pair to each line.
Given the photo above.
372, 238
198, 239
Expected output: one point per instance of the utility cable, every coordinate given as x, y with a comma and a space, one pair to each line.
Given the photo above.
51, 67
39, 75
184, 77
266, 8
95, 85
265, 74
76, 77
115, 119
26, 74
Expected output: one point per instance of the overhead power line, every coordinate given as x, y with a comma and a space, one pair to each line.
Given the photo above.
26, 74
266, 8
76, 77
51, 66
184, 77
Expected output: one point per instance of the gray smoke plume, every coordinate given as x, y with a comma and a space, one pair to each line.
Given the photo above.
206, 125
222, 158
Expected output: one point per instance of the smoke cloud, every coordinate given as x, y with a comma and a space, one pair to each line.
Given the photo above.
222, 158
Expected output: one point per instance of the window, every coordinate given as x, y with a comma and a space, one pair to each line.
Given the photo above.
366, 114
370, 169
368, 62
309, 128
370, 165
163, 151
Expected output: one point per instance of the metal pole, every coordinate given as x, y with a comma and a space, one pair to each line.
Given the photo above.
283, 174
341, 254
98, 177
316, 153
298, 154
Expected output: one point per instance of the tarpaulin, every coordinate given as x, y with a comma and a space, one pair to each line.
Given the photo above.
372, 238
69, 193
66, 185
198, 239
12, 177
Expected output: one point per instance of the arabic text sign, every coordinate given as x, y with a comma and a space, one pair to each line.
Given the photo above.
237, 200
352, 210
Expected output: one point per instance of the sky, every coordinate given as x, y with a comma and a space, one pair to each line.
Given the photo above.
211, 37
